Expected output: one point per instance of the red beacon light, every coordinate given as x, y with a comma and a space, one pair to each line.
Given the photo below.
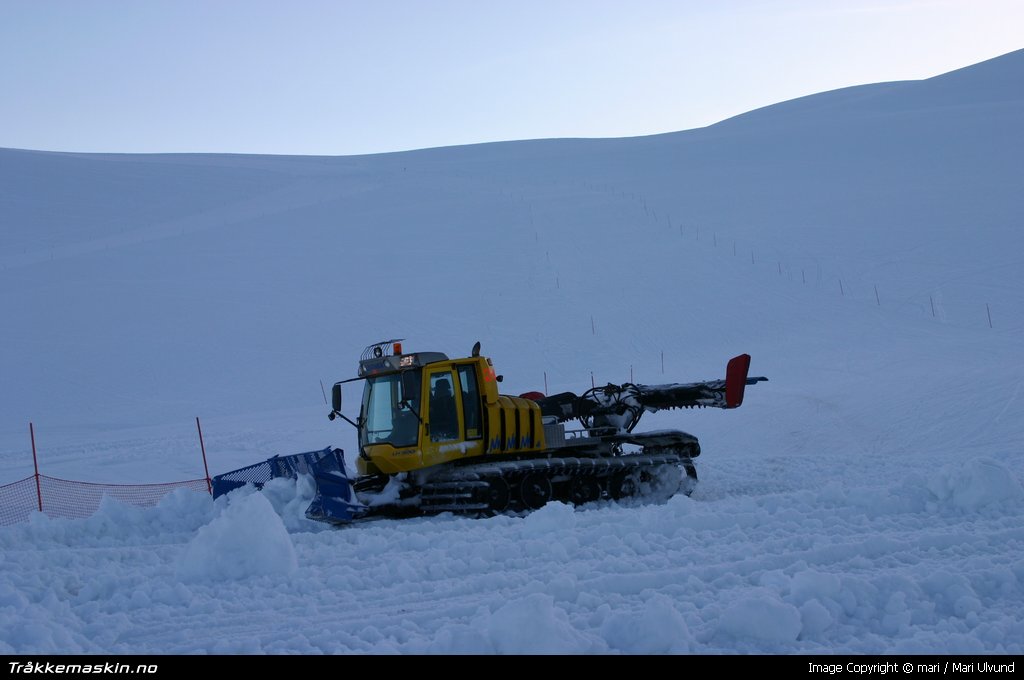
398, 348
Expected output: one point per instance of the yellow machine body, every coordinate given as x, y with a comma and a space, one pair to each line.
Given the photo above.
457, 413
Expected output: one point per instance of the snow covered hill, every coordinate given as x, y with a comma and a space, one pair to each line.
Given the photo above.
855, 243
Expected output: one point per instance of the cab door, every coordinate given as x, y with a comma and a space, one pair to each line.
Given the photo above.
453, 427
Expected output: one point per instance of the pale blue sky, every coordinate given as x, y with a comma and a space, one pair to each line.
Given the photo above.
346, 77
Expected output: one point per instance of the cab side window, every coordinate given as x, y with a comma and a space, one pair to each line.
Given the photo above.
470, 402
444, 422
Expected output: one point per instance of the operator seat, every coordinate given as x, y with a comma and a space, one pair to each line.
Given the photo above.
444, 424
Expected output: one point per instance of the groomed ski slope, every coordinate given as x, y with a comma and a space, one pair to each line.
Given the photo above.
866, 499
924, 565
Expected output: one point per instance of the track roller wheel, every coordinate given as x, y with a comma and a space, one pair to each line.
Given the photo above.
497, 495
584, 490
661, 482
535, 490
623, 485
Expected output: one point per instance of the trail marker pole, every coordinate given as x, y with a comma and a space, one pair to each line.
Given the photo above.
206, 468
35, 463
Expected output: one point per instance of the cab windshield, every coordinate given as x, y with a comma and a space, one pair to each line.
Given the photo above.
387, 418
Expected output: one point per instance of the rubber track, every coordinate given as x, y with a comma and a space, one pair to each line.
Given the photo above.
454, 489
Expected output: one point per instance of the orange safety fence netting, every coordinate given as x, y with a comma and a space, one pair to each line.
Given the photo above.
63, 498
18, 500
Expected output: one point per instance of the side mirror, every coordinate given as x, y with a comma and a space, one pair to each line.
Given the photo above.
336, 398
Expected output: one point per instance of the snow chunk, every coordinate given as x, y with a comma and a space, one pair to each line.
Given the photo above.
551, 517
247, 539
11, 598
975, 484
763, 618
952, 593
657, 629
809, 585
290, 498
532, 625
815, 618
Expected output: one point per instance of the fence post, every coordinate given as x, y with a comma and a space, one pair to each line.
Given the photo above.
35, 462
206, 468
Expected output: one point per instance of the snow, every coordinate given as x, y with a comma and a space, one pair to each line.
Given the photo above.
978, 483
796, 572
247, 539
658, 628
761, 616
866, 499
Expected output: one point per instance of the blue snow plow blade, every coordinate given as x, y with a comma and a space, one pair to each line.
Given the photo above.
334, 500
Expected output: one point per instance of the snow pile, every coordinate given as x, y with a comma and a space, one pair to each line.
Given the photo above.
247, 539
290, 498
763, 618
976, 484
554, 516
532, 625
657, 628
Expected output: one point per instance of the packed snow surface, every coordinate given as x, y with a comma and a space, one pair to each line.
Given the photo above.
862, 245
895, 567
